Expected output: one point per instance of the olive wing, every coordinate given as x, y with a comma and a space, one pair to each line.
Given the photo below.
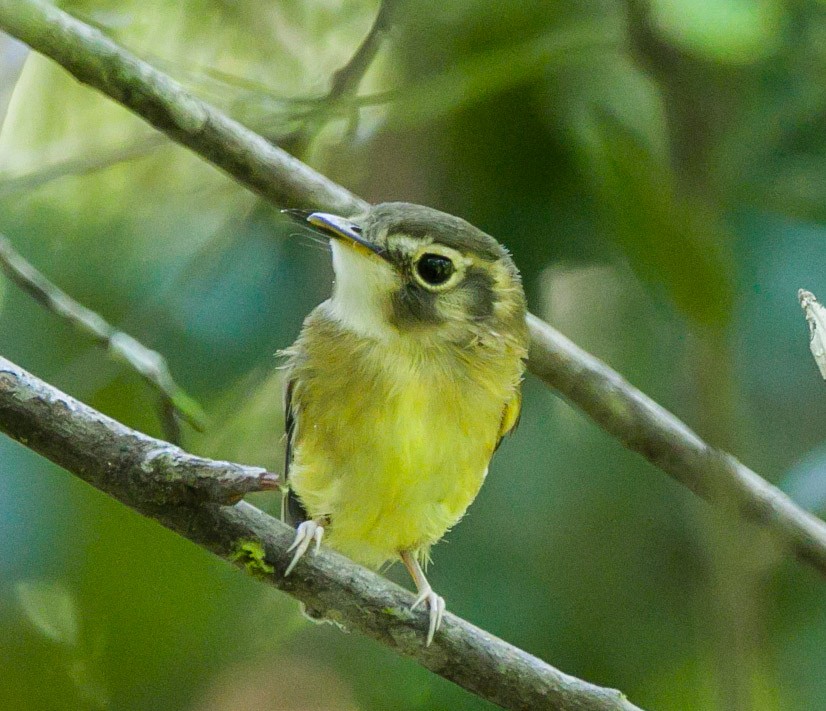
510, 418
292, 510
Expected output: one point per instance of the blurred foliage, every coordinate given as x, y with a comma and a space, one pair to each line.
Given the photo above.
726, 31
658, 168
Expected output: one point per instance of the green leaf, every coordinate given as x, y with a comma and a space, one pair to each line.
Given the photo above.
669, 240
730, 31
51, 608
617, 129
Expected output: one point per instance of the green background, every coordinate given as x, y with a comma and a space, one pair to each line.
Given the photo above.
658, 170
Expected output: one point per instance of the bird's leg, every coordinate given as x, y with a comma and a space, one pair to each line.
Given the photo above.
436, 603
305, 533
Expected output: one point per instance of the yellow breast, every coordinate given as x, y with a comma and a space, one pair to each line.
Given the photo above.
392, 441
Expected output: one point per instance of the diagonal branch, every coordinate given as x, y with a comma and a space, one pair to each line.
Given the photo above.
619, 408
122, 462
649, 429
149, 364
175, 488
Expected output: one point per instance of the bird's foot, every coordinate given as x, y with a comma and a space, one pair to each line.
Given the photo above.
305, 534
436, 604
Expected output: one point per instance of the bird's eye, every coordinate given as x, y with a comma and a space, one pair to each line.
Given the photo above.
434, 269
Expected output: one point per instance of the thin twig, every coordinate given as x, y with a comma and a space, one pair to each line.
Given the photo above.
10, 185
173, 487
149, 364
218, 83
345, 80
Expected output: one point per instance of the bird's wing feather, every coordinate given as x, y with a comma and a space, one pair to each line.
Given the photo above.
510, 417
292, 511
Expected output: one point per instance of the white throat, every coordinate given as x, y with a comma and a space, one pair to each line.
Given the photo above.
361, 293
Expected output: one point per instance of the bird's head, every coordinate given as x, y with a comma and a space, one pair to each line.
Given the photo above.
406, 269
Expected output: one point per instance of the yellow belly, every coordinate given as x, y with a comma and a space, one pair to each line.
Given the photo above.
391, 447
392, 471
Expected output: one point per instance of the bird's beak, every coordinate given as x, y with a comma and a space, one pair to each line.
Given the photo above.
345, 231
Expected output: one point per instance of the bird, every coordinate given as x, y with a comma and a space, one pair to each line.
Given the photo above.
400, 387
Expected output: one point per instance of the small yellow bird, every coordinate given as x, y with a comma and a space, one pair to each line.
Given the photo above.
401, 386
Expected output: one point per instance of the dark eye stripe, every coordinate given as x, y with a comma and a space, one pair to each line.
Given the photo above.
434, 269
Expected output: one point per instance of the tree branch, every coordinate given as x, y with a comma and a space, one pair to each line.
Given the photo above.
175, 488
122, 462
11, 185
668, 443
149, 364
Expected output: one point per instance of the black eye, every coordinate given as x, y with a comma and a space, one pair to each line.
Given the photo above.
434, 268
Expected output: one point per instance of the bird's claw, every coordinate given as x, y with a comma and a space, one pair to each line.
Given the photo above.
305, 534
436, 605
